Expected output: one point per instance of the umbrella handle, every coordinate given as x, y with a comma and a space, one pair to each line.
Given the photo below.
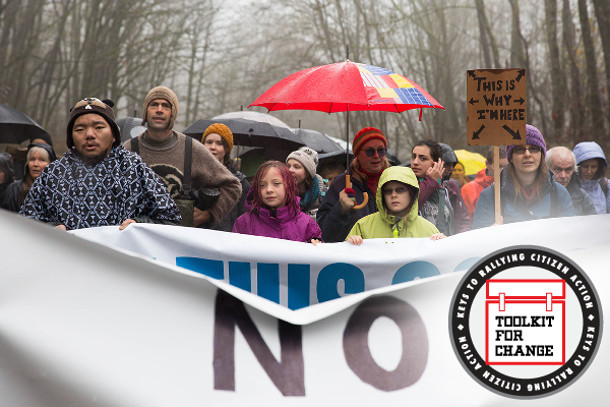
348, 184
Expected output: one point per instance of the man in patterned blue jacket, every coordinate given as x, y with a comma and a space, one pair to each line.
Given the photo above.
98, 182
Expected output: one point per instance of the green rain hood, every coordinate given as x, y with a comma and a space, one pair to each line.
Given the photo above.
383, 225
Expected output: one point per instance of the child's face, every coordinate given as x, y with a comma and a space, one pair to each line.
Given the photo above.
297, 170
397, 198
273, 190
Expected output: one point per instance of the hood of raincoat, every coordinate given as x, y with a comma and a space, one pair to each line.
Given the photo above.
400, 174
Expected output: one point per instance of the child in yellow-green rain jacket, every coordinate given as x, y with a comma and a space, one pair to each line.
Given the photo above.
397, 215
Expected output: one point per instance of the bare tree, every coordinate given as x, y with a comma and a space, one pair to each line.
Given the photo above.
558, 85
597, 119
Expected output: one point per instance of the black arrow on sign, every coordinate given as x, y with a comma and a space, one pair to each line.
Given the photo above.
516, 135
521, 74
471, 73
475, 135
472, 101
520, 100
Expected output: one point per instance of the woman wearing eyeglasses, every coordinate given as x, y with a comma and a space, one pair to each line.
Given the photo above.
528, 190
336, 215
397, 215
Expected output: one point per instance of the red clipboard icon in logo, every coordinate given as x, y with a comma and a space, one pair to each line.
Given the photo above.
525, 322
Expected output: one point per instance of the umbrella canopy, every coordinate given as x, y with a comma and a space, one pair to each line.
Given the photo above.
130, 127
473, 162
16, 127
346, 86
318, 141
251, 115
251, 133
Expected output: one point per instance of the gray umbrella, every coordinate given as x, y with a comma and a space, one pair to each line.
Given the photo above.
16, 127
251, 133
130, 127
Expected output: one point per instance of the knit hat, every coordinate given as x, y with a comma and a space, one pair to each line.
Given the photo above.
365, 135
587, 150
162, 92
223, 131
533, 137
307, 157
93, 105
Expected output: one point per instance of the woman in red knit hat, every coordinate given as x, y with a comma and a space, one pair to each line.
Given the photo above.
336, 215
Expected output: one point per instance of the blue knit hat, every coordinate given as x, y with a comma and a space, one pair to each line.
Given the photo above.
533, 137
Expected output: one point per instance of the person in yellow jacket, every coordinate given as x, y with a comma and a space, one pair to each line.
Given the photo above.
397, 215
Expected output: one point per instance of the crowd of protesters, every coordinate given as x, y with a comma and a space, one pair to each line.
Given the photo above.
164, 176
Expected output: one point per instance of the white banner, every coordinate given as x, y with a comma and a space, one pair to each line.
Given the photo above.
82, 323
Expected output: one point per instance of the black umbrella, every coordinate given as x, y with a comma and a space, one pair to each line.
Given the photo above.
130, 127
318, 141
251, 133
16, 127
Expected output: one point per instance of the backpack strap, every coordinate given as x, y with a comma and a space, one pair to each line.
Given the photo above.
135, 145
188, 159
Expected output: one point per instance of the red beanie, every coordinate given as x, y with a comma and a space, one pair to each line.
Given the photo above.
365, 135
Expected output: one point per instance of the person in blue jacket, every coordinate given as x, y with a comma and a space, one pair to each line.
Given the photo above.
528, 189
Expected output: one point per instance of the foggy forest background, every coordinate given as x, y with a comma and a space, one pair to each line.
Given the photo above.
219, 56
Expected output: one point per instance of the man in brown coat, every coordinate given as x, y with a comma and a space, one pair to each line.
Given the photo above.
165, 150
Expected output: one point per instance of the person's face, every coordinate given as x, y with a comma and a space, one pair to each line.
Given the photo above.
421, 160
273, 190
458, 170
448, 169
490, 167
397, 198
372, 164
297, 170
330, 176
526, 159
213, 142
563, 168
158, 114
588, 168
37, 162
92, 137
2, 177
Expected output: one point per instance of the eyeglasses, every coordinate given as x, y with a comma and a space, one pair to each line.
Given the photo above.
90, 101
521, 149
398, 190
370, 152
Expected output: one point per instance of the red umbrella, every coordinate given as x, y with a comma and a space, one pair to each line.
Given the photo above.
344, 87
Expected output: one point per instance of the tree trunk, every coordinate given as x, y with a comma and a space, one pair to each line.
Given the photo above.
557, 77
576, 102
597, 119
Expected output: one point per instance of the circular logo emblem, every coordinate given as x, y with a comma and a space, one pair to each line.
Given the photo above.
525, 321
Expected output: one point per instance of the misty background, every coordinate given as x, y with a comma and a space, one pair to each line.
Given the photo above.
219, 56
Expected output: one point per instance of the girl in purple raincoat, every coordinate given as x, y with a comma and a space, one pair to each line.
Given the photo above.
272, 207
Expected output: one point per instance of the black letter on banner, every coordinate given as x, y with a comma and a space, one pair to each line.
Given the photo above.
414, 343
287, 375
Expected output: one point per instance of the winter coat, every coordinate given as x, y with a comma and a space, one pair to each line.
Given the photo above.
461, 219
554, 202
336, 225
599, 196
581, 201
383, 225
239, 208
11, 199
472, 190
72, 193
282, 223
435, 205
